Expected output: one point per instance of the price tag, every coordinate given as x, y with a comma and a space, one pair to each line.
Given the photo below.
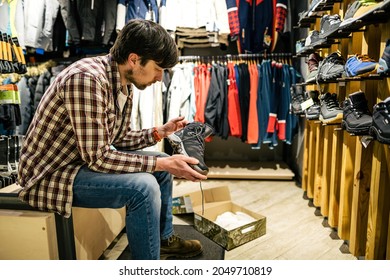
306, 104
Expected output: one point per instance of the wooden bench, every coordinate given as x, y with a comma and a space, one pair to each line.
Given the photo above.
28, 233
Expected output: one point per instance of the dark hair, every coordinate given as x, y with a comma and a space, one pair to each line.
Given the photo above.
147, 39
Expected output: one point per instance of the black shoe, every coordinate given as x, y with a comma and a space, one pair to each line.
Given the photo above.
297, 98
313, 112
330, 109
189, 141
331, 67
177, 247
357, 118
380, 128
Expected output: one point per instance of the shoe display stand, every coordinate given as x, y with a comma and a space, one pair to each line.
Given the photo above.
348, 177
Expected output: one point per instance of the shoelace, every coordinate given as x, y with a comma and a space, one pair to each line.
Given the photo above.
334, 58
359, 109
364, 58
198, 135
331, 102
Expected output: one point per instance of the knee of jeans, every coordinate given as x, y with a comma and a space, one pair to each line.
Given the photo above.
148, 193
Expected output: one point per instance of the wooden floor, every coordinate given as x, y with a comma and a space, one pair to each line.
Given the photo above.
294, 232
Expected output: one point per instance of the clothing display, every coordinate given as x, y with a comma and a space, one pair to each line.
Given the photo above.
253, 105
257, 91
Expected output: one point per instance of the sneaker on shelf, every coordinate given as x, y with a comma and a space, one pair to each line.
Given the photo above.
312, 64
297, 98
384, 61
189, 141
380, 128
360, 65
330, 109
177, 247
359, 9
313, 6
357, 118
313, 112
329, 25
311, 39
299, 46
331, 67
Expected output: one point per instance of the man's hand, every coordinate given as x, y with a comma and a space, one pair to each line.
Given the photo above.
179, 166
171, 126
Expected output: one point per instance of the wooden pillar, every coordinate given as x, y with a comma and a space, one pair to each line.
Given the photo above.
326, 171
334, 193
319, 150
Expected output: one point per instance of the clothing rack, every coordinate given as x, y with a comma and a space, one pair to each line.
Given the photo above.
230, 57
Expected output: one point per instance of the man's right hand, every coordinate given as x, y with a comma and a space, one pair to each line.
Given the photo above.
179, 166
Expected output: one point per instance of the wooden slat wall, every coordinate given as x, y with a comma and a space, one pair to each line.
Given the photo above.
348, 181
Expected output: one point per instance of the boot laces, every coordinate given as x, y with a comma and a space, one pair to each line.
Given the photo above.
197, 134
331, 102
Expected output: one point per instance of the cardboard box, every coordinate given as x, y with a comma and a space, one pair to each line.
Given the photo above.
216, 202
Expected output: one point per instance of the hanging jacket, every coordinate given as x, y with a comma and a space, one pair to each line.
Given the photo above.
85, 20
39, 17
132, 9
259, 20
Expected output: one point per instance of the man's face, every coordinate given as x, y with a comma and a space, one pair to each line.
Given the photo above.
144, 76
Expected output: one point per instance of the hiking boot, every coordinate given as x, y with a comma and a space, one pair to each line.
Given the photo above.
177, 247
312, 64
384, 61
189, 141
297, 98
331, 67
313, 112
329, 25
380, 128
360, 65
330, 109
357, 118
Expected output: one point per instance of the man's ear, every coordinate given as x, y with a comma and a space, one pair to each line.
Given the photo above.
132, 59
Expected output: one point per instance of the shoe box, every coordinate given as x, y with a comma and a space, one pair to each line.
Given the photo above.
217, 201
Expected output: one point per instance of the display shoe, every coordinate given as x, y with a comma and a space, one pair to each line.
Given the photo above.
177, 247
297, 98
329, 25
331, 67
313, 112
357, 118
312, 64
380, 128
330, 109
384, 61
360, 65
189, 141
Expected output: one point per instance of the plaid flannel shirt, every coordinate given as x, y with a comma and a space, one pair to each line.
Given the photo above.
76, 122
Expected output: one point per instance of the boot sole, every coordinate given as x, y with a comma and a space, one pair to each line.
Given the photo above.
176, 141
362, 131
374, 133
186, 256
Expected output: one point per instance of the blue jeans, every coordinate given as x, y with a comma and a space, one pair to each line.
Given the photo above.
148, 201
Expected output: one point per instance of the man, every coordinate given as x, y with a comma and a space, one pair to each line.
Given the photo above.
80, 151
